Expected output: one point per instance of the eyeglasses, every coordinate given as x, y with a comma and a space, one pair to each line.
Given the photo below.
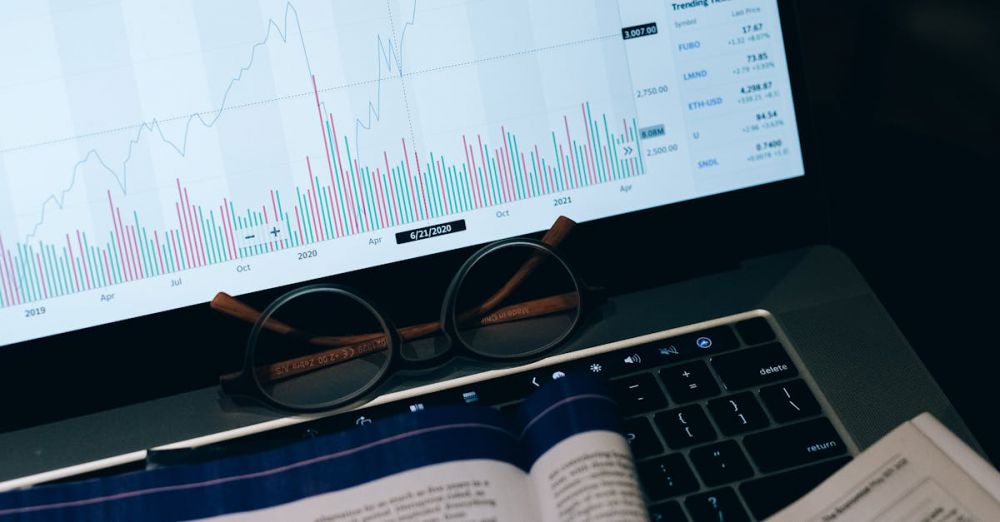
323, 346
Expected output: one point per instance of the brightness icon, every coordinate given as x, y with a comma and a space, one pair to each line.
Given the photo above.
596, 368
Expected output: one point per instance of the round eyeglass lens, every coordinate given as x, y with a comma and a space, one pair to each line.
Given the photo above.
320, 347
515, 301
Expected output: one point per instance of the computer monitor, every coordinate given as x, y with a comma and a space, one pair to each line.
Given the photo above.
155, 153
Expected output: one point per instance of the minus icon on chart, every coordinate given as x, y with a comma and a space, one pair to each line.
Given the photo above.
250, 236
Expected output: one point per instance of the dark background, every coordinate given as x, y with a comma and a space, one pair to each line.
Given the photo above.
905, 96
905, 100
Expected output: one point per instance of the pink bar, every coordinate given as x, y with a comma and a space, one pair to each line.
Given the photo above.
41, 275
362, 203
501, 177
8, 294
377, 183
133, 268
569, 145
299, 221
506, 160
83, 259
159, 252
225, 232
472, 174
118, 237
312, 196
590, 145
527, 181
3, 275
326, 146
420, 178
195, 226
482, 189
177, 259
183, 234
607, 161
409, 175
135, 249
392, 185
72, 263
107, 267
352, 209
13, 276
444, 192
486, 170
230, 227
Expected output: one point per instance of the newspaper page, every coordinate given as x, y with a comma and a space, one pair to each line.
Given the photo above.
919, 472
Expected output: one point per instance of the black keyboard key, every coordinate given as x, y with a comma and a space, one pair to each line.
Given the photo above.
641, 437
766, 496
683, 427
720, 463
791, 401
738, 413
666, 477
715, 506
754, 366
801, 443
755, 331
638, 394
667, 512
689, 382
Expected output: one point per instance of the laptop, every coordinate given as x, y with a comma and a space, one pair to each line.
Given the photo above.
153, 155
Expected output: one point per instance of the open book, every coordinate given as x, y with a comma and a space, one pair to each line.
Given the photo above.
564, 459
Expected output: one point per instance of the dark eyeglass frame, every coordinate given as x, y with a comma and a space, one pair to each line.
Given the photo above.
247, 383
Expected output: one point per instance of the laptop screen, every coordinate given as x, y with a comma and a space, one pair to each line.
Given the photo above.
154, 153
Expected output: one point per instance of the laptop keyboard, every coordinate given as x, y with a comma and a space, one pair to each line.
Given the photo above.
722, 425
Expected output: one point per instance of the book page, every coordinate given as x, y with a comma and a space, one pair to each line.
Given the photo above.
589, 476
481, 490
918, 472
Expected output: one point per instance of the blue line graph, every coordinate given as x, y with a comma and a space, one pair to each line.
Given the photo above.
390, 58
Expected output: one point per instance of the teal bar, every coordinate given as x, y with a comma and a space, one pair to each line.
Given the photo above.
601, 172
490, 169
406, 211
638, 149
64, 268
470, 203
213, 255
558, 172
519, 168
400, 202
304, 216
23, 272
515, 169
52, 265
95, 274
612, 150
232, 212
340, 191
580, 159
497, 187
49, 282
34, 286
324, 218
355, 189
452, 184
366, 178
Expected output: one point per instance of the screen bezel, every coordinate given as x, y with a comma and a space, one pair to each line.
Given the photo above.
140, 359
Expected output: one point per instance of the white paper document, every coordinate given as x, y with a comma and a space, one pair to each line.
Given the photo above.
919, 472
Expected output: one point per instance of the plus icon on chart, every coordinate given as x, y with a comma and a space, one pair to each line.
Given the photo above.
275, 231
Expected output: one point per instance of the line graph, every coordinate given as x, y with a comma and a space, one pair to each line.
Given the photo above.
344, 194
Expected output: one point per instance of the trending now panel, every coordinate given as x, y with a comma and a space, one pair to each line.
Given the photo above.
153, 153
